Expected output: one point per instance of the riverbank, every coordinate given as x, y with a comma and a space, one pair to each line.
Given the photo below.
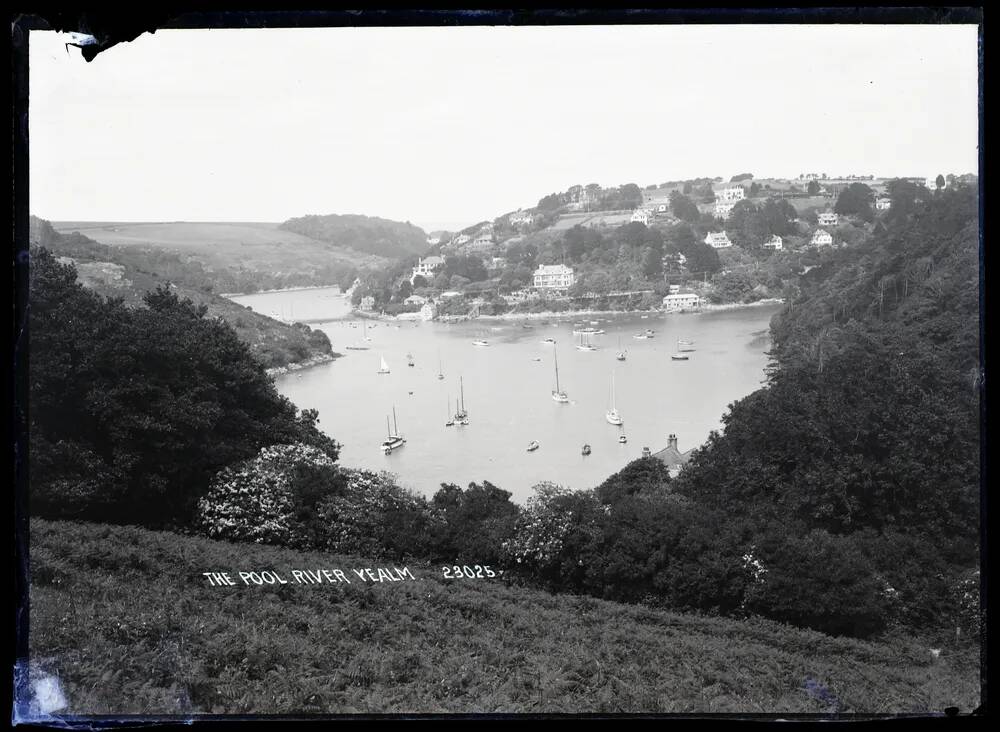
308, 363
570, 314
231, 295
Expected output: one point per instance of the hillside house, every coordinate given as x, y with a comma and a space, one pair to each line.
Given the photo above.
642, 216
775, 243
553, 277
827, 218
367, 304
821, 238
672, 457
415, 300
425, 268
883, 204
732, 194
461, 239
428, 311
522, 218
681, 301
718, 240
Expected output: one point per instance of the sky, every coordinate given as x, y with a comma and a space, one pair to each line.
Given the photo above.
444, 127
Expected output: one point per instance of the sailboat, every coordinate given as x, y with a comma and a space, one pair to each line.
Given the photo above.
558, 394
450, 420
384, 368
680, 355
395, 440
581, 346
409, 359
612, 415
621, 353
440, 373
364, 330
684, 346
361, 347
461, 416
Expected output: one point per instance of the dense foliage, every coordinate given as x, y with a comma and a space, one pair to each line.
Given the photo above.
362, 233
134, 409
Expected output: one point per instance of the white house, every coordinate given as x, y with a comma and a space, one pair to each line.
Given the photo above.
674, 289
722, 209
717, 240
642, 216
883, 204
483, 240
553, 277
425, 268
732, 194
367, 303
521, 218
461, 239
450, 294
681, 301
428, 311
827, 218
415, 300
774, 243
432, 240
821, 239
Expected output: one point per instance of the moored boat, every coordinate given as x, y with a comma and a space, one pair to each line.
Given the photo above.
532, 446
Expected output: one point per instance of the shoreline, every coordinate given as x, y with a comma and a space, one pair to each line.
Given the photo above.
301, 365
231, 295
549, 315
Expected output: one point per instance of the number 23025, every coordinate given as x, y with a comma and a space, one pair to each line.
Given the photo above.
465, 571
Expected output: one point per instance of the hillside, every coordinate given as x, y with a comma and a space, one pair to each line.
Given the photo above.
171, 644
130, 272
370, 234
237, 257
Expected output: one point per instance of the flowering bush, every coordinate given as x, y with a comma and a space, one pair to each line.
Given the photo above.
374, 517
255, 500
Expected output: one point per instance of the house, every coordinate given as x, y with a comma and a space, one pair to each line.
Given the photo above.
428, 311
483, 240
674, 289
775, 243
663, 208
367, 303
461, 239
432, 240
827, 218
450, 294
681, 301
731, 194
641, 216
425, 268
821, 239
415, 300
717, 240
883, 204
722, 210
521, 218
496, 263
672, 457
553, 277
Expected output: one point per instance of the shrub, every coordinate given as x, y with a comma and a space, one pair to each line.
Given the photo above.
473, 523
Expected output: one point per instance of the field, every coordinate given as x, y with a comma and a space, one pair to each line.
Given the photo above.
255, 246
125, 621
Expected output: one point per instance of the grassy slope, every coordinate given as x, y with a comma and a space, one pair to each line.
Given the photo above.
124, 619
255, 246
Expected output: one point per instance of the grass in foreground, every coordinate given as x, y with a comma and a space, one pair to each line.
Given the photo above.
125, 620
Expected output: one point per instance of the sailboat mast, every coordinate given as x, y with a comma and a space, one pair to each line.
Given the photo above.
461, 386
387, 430
395, 426
556, 359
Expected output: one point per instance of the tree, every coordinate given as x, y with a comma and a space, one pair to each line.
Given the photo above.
939, 182
687, 187
813, 188
856, 200
648, 474
683, 207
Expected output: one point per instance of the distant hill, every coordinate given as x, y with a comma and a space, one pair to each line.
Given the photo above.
129, 272
368, 234
237, 257
172, 644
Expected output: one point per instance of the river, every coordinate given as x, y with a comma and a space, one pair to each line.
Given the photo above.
507, 389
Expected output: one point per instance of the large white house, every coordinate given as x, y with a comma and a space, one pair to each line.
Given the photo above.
883, 204
553, 277
722, 209
821, 239
774, 243
521, 218
642, 216
827, 218
425, 268
717, 240
731, 194
681, 301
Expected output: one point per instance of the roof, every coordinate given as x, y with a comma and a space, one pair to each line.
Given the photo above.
718, 236
432, 260
672, 457
546, 269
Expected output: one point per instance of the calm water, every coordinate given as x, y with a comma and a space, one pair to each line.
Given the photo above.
507, 389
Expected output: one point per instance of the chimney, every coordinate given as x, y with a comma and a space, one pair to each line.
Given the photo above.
672, 441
